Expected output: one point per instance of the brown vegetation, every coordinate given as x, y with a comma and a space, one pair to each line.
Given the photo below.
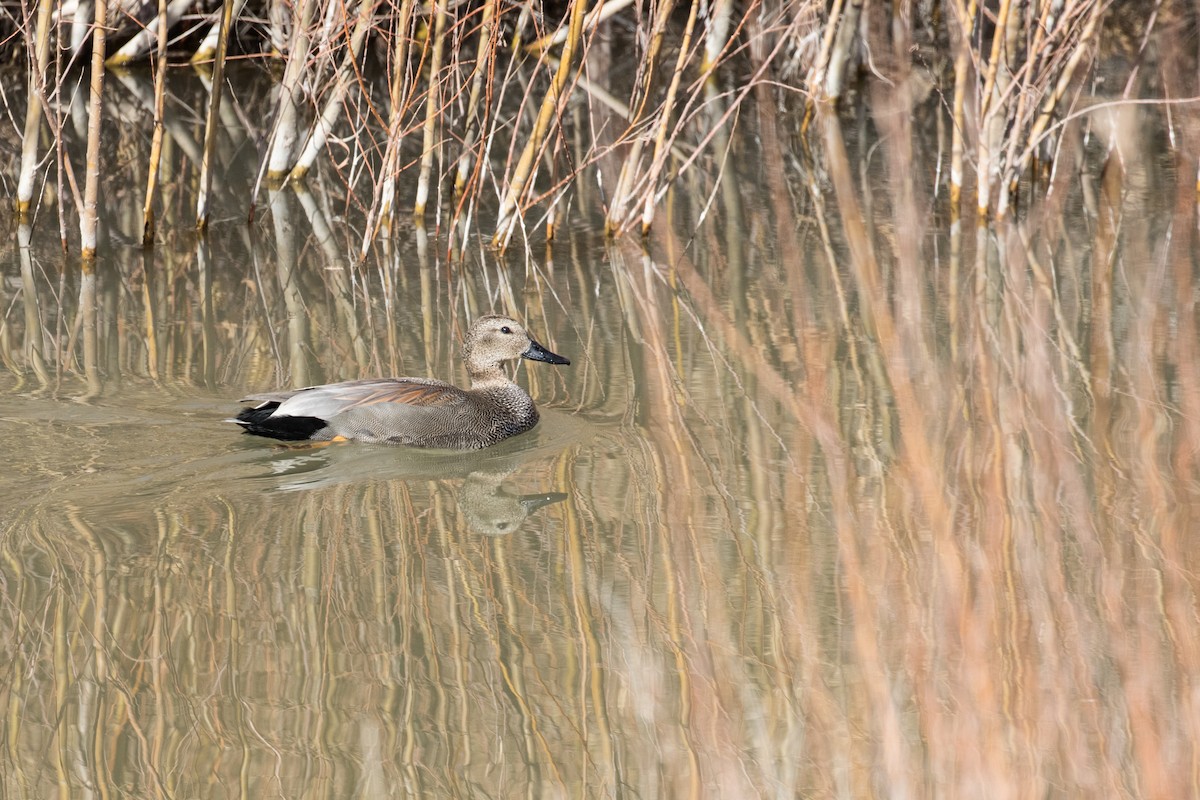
487, 88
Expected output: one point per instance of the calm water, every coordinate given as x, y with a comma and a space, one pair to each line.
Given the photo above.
833, 501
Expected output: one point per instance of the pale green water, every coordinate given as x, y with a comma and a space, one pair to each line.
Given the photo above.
793, 525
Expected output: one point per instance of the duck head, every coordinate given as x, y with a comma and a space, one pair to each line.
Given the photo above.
491, 340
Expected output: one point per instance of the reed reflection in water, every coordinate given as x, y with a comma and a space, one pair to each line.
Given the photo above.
834, 500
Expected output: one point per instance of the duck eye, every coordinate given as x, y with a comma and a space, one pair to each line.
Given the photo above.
506, 329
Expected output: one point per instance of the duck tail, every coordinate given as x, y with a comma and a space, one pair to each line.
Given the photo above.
261, 421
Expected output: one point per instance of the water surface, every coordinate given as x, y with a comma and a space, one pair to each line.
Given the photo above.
838, 497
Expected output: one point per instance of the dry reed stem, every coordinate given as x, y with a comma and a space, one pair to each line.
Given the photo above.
154, 31
820, 68
991, 105
345, 77
212, 126
598, 14
550, 108
1042, 28
285, 132
160, 82
717, 37
484, 61
1006, 78
962, 68
839, 57
35, 92
659, 157
207, 48
1050, 104
89, 213
433, 108
622, 193
379, 219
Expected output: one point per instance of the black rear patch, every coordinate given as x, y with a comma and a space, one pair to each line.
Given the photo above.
259, 422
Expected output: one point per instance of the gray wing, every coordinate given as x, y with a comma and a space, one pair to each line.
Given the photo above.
334, 399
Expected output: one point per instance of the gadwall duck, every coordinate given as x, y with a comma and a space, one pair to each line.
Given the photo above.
418, 412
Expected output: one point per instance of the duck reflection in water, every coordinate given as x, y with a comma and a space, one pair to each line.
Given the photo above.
487, 505
491, 510
482, 483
